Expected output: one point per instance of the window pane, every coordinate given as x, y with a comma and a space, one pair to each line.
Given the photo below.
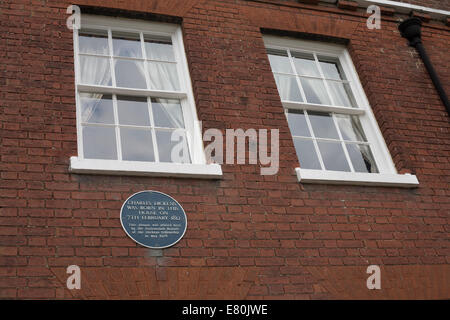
95, 71
279, 61
288, 88
133, 111
342, 94
93, 41
167, 113
362, 158
306, 154
127, 44
315, 91
351, 128
305, 64
99, 143
333, 156
96, 108
159, 48
130, 74
165, 146
297, 123
323, 125
331, 68
137, 144
163, 76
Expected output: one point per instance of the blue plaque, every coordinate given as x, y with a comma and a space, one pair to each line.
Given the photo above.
153, 219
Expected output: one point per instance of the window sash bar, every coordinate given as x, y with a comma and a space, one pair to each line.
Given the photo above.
334, 140
131, 91
324, 108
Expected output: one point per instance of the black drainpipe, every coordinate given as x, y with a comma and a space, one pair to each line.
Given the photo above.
411, 30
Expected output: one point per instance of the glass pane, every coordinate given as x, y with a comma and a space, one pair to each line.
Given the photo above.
99, 143
130, 74
362, 158
95, 71
342, 94
305, 64
93, 41
306, 154
163, 76
167, 113
166, 145
315, 91
351, 128
126, 44
133, 111
288, 88
137, 144
297, 123
323, 125
159, 48
331, 68
333, 156
96, 108
279, 61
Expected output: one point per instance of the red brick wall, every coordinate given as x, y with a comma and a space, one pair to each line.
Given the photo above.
249, 236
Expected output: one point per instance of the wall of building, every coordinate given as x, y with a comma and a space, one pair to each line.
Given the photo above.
249, 236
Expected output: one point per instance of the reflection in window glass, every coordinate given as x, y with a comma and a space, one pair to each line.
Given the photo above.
95, 71
93, 42
96, 108
130, 74
297, 123
279, 61
166, 145
136, 144
159, 48
323, 125
362, 158
306, 154
333, 156
99, 143
133, 111
127, 44
288, 88
167, 113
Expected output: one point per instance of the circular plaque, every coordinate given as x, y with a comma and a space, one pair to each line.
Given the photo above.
153, 219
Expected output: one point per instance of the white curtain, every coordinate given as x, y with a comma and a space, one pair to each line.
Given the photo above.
288, 88
163, 76
350, 127
95, 71
315, 91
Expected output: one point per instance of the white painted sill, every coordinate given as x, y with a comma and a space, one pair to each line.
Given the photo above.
132, 168
358, 179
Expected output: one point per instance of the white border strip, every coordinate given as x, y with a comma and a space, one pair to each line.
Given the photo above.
136, 168
401, 7
362, 179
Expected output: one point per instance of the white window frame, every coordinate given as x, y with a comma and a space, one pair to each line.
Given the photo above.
388, 175
198, 167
